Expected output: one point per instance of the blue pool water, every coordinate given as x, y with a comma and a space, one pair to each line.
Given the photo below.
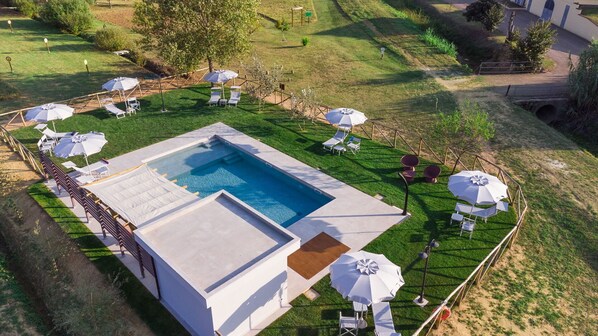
211, 167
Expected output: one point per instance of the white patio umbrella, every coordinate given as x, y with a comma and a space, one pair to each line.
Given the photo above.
220, 76
477, 187
50, 112
81, 144
120, 84
366, 277
345, 117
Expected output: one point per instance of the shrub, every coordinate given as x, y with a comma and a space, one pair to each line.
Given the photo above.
488, 12
73, 16
583, 85
137, 56
533, 47
112, 39
305, 41
439, 43
29, 8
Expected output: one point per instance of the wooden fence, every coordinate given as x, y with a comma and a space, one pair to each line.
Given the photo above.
23, 151
501, 68
373, 130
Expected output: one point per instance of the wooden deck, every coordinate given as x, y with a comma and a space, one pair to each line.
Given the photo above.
316, 254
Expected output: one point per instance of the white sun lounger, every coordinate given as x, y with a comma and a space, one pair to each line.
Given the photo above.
383, 323
214, 97
115, 110
235, 96
55, 136
335, 140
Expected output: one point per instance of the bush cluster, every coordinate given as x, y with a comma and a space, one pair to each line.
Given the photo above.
442, 45
73, 16
112, 39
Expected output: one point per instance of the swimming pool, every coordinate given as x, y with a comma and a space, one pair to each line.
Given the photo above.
217, 165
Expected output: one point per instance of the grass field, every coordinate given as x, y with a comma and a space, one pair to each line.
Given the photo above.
41, 77
372, 171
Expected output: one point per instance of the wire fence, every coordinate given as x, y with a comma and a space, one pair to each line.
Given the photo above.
391, 136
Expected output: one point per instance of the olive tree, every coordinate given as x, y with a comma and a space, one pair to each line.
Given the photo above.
467, 129
187, 32
265, 79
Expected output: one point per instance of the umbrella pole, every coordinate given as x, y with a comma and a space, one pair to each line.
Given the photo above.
54, 125
223, 94
87, 162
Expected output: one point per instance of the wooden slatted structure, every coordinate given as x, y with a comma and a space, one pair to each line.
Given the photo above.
109, 220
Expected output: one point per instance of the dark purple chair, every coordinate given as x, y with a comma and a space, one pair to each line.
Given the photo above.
431, 173
410, 161
409, 175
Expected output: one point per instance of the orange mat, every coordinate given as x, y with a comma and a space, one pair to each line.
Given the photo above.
316, 254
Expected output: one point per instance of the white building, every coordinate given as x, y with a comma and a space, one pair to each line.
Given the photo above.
221, 266
565, 14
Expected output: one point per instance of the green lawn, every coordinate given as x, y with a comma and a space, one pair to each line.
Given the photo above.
41, 77
342, 63
373, 171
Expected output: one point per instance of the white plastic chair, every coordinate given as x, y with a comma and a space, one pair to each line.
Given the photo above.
134, 104
347, 325
467, 225
383, 323
45, 145
354, 144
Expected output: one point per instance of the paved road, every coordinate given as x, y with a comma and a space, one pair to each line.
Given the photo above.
567, 45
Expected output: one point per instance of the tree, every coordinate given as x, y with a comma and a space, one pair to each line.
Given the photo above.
187, 32
583, 83
467, 129
488, 12
266, 79
533, 47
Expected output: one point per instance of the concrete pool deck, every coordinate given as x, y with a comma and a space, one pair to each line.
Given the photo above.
352, 217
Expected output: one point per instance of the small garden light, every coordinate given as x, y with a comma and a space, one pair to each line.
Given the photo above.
46, 42
9, 60
10, 25
86, 66
425, 254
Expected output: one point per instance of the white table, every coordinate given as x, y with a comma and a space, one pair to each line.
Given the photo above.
340, 148
361, 310
40, 127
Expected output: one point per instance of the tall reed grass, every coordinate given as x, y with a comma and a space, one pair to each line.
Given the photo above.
439, 43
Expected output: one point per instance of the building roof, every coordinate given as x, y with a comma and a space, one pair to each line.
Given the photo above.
213, 240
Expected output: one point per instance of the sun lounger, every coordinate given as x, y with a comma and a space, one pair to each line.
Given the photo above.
383, 323
214, 97
98, 171
483, 213
338, 138
115, 110
55, 136
235, 96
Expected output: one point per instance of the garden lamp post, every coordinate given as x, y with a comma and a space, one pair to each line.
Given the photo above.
86, 66
10, 25
47, 47
162, 94
9, 60
425, 254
